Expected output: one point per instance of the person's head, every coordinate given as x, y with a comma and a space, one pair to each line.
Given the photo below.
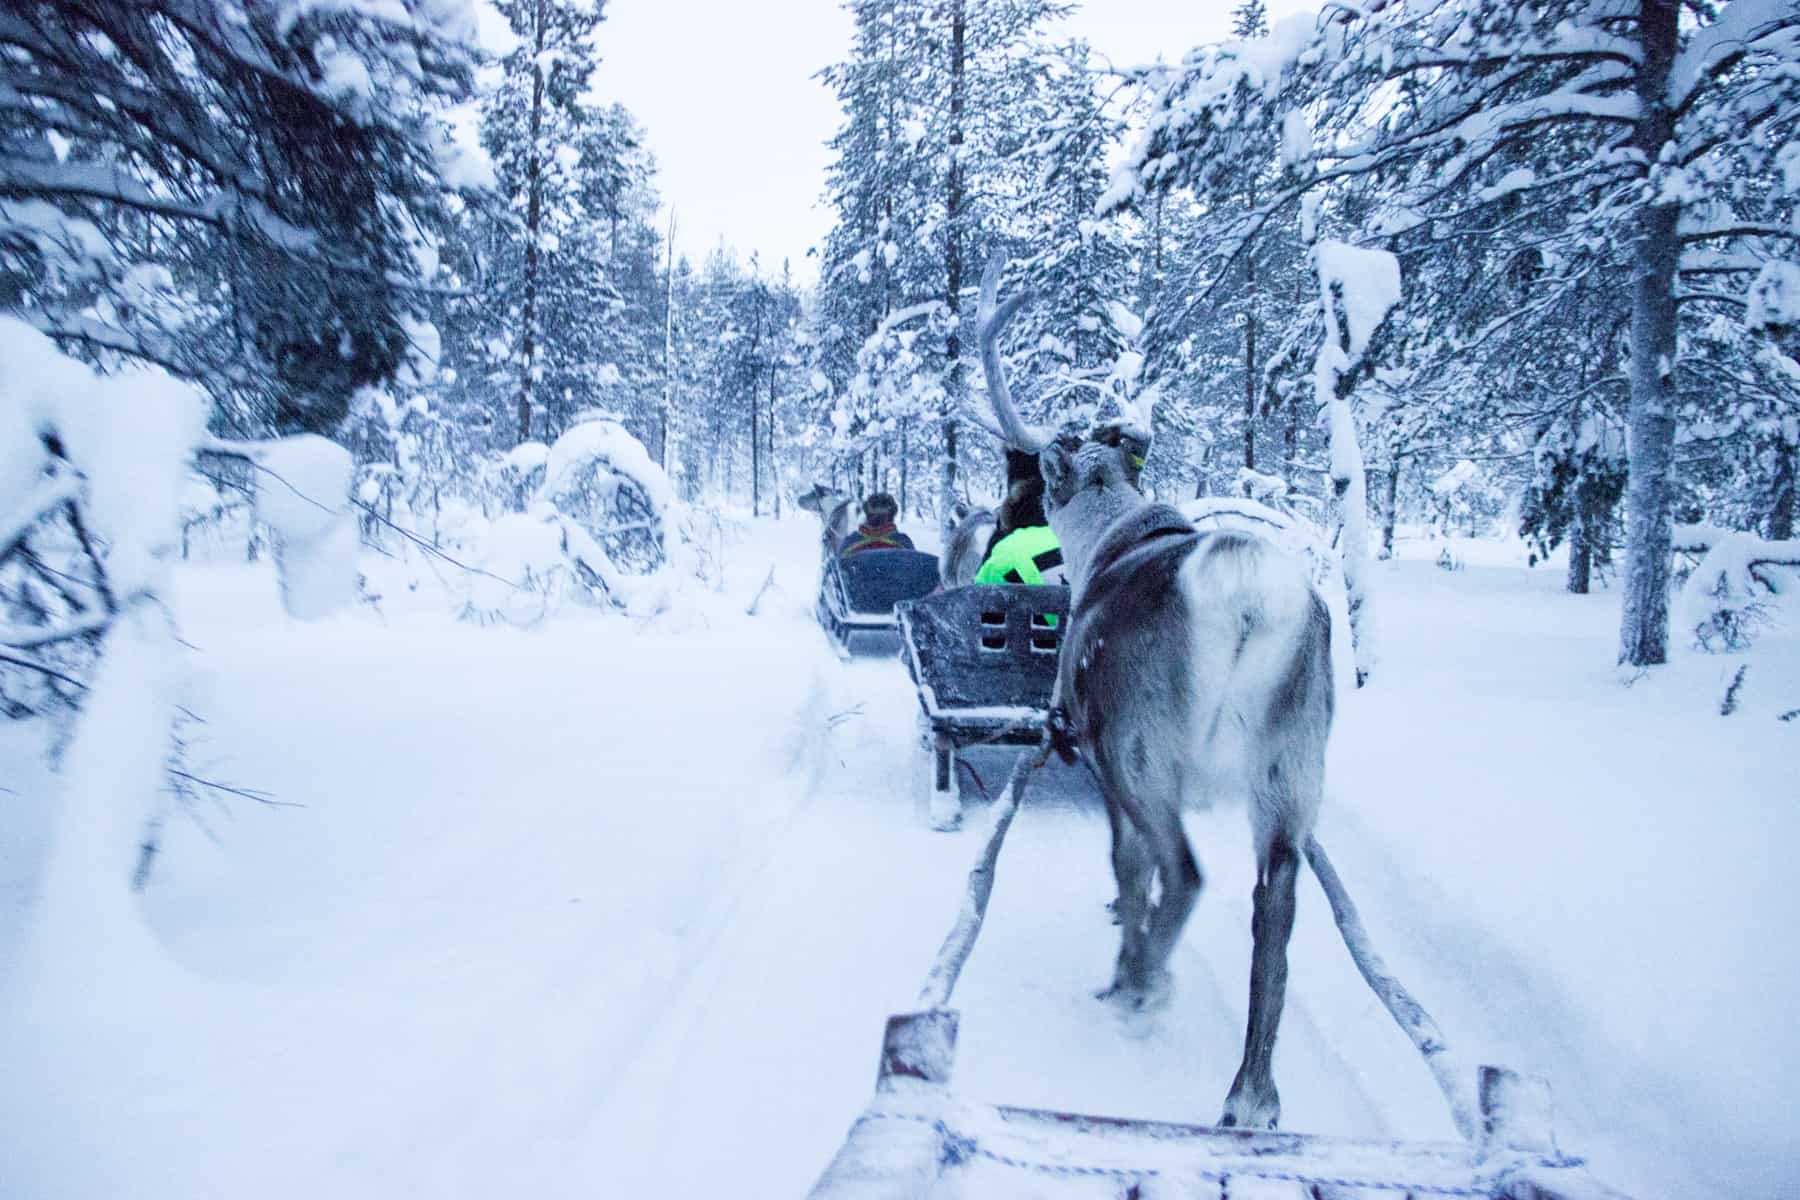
880, 509
1021, 467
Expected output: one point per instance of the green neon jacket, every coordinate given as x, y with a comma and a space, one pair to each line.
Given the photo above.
1026, 555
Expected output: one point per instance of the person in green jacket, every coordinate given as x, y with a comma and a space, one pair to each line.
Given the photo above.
1027, 555
1023, 548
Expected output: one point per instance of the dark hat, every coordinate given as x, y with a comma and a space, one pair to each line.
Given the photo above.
880, 505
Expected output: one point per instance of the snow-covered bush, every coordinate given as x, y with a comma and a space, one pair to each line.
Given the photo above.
604, 528
1290, 531
1301, 538
1725, 600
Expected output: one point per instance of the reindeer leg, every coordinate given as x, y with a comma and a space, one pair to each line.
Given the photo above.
1181, 884
1253, 1101
1154, 850
1133, 869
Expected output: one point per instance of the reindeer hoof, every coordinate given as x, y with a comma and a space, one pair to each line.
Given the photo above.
1243, 1113
1130, 999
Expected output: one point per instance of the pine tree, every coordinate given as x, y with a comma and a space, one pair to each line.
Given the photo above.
246, 194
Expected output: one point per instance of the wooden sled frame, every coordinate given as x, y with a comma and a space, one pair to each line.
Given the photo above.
916, 1134
855, 631
983, 658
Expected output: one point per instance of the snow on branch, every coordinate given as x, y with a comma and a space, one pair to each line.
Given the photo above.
1358, 287
1743, 28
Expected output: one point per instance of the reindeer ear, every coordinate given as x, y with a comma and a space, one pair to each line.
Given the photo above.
1132, 443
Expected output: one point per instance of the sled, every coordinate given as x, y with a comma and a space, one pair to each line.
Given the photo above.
917, 1139
983, 659
858, 592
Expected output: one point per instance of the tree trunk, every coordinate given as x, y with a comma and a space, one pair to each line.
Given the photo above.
533, 219
1388, 509
774, 470
1250, 348
1644, 621
903, 468
953, 274
1781, 488
1581, 544
668, 403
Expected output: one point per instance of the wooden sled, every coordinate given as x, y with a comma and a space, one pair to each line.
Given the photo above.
857, 595
983, 659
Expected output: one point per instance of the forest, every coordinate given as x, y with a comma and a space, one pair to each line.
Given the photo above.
370, 438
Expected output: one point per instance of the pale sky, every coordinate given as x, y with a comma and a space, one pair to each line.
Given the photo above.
738, 124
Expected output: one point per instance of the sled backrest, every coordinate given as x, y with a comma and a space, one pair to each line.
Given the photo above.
987, 645
873, 581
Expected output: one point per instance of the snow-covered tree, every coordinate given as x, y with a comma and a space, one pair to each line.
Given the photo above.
246, 194
1650, 150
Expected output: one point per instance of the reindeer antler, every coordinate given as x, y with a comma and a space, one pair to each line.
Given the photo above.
990, 319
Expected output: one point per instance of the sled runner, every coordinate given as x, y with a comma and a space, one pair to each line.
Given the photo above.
858, 592
983, 658
917, 1139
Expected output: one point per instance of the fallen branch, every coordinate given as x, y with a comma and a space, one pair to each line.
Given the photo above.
767, 583
1729, 704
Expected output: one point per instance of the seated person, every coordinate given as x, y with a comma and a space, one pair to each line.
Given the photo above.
1023, 549
877, 531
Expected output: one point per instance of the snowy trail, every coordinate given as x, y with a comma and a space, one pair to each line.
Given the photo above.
763, 1058
755, 1070
610, 909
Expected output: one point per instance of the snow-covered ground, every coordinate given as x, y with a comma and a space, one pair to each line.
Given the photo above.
615, 908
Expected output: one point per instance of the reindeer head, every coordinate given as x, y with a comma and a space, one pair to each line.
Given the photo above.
1091, 478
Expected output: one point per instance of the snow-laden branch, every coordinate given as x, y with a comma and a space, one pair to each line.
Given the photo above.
1738, 229
1744, 27
43, 499
32, 637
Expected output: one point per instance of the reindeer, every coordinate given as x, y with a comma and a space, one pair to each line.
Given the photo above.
834, 510
968, 545
1195, 664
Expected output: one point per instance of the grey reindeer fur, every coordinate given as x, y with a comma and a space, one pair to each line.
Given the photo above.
834, 510
967, 548
1195, 665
